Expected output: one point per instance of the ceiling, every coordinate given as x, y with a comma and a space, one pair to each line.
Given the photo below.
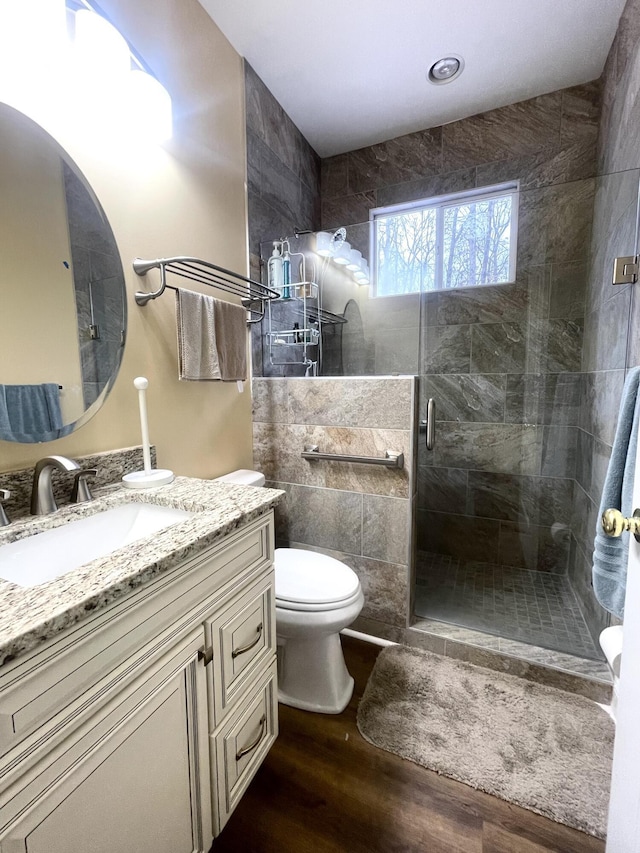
350, 74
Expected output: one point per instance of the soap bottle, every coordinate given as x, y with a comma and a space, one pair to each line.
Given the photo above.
286, 275
275, 269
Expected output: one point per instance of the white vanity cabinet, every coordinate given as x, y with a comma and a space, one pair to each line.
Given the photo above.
139, 728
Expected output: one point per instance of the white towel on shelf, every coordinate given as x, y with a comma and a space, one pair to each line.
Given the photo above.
212, 338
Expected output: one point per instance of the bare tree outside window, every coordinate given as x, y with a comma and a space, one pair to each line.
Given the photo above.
406, 252
446, 245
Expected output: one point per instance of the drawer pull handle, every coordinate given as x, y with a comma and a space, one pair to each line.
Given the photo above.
247, 749
236, 652
205, 654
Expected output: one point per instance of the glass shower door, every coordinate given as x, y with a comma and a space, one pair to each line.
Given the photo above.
526, 379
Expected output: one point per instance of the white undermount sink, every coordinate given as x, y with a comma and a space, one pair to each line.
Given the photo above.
44, 556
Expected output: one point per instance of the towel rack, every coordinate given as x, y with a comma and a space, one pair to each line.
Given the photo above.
195, 269
391, 459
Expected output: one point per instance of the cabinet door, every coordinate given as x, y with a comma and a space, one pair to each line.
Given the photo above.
137, 783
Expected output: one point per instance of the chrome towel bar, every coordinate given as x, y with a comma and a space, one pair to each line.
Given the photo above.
205, 272
391, 459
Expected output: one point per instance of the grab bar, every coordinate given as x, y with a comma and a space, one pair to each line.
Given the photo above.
391, 459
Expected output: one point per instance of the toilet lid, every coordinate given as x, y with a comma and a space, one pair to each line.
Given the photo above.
305, 577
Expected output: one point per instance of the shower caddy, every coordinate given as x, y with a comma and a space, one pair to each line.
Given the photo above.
303, 295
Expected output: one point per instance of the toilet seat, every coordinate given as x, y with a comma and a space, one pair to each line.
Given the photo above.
284, 604
308, 581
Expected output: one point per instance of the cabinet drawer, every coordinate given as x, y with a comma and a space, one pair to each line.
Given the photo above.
239, 746
242, 640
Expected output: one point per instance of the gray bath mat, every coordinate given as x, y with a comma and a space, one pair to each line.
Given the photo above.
531, 745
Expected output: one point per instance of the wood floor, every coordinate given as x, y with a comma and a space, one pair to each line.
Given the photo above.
324, 789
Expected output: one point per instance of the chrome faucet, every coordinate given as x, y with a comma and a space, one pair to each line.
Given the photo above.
81, 491
42, 500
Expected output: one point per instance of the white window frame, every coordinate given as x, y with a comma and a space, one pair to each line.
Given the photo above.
440, 203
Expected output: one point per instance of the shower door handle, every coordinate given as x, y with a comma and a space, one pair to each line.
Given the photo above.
431, 424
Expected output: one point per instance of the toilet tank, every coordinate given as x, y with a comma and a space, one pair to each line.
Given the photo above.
243, 477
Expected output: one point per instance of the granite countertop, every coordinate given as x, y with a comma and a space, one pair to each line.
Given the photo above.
31, 615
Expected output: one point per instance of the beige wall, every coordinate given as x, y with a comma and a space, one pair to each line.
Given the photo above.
187, 198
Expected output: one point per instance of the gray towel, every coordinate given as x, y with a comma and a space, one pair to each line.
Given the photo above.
197, 350
231, 337
610, 555
30, 413
212, 338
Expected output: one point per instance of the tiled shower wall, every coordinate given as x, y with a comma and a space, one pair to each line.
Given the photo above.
612, 320
283, 171
503, 363
357, 513
283, 192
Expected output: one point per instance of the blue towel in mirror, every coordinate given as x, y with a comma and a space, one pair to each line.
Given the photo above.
30, 413
610, 555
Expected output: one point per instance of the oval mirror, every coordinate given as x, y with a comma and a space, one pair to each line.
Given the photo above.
64, 309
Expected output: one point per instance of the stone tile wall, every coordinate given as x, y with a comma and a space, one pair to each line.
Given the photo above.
283, 170
360, 514
283, 184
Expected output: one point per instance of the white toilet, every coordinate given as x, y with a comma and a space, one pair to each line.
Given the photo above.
316, 597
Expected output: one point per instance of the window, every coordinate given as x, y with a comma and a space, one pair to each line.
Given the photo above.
461, 240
